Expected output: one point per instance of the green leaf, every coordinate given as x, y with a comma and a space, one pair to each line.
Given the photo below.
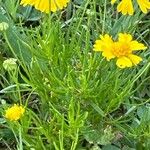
110, 147
98, 109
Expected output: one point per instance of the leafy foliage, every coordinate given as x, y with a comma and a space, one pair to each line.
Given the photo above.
74, 98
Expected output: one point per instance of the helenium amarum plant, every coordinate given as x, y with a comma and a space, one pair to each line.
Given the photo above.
63, 95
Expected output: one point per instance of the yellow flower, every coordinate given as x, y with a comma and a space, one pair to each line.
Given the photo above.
14, 113
126, 6
144, 5
122, 49
46, 5
113, 1
104, 45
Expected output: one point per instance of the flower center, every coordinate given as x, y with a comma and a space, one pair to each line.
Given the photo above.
121, 49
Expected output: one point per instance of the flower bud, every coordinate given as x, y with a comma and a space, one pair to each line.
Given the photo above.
3, 26
10, 64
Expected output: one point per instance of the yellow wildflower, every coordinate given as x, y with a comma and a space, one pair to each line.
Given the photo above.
14, 113
104, 45
144, 5
126, 6
46, 5
113, 1
122, 49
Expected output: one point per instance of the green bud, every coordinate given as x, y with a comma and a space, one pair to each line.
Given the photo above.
3, 26
10, 64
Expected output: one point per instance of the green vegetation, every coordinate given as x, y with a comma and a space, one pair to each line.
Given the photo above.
74, 98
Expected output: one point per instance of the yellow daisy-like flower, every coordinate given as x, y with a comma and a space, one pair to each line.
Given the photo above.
126, 6
14, 113
122, 49
46, 5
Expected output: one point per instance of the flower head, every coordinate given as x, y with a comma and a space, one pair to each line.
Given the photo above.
46, 5
126, 6
122, 49
14, 113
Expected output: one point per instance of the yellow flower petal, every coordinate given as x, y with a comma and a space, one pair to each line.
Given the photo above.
126, 7
135, 45
106, 38
108, 54
124, 37
46, 5
144, 5
103, 44
135, 59
124, 62
14, 113
113, 1
98, 46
